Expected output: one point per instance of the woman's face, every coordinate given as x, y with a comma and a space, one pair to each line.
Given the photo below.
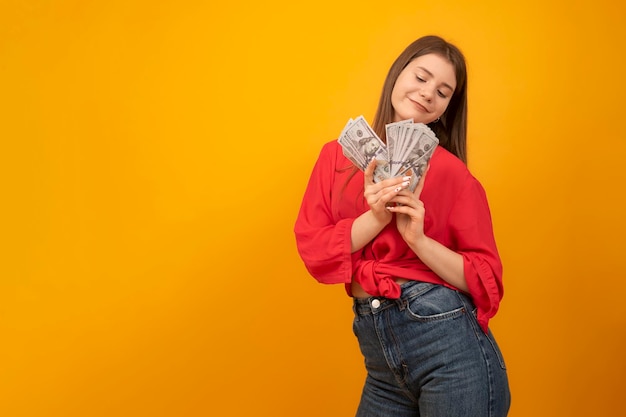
423, 89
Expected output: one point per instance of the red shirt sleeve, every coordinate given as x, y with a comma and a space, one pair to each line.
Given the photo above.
323, 244
472, 229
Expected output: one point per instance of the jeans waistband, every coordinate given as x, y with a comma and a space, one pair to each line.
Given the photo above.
366, 306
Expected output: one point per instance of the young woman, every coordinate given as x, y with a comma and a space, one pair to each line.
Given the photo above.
422, 267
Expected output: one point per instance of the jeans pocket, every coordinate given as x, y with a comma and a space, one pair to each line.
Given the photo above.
438, 303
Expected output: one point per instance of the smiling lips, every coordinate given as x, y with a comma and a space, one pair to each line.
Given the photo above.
419, 106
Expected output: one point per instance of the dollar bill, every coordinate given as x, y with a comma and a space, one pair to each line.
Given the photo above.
394, 131
419, 143
361, 145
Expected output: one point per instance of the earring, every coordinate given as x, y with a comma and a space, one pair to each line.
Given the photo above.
438, 118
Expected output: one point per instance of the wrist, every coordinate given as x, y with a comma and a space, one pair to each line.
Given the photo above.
420, 244
382, 219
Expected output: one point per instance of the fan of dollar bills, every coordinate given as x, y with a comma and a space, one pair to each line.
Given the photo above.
409, 148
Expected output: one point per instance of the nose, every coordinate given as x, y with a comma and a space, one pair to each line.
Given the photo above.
426, 93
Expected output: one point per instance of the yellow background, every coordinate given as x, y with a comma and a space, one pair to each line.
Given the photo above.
153, 158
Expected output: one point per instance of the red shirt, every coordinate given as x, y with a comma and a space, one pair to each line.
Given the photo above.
457, 216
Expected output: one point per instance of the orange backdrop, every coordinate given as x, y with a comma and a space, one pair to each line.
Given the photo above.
154, 154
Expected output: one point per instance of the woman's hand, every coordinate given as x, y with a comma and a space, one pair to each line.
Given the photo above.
410, 213
379, 195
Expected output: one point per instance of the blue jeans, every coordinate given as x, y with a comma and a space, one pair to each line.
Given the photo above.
426, 356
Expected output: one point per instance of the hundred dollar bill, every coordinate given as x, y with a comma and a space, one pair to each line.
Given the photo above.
361, 144
421, 144
369, 144
393, 132
418, 141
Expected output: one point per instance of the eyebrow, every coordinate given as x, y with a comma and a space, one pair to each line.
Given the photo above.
431, 74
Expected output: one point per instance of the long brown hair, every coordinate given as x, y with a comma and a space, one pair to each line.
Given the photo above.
451, 129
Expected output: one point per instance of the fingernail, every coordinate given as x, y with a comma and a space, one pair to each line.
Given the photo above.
405, 183
406, 179
398, 189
